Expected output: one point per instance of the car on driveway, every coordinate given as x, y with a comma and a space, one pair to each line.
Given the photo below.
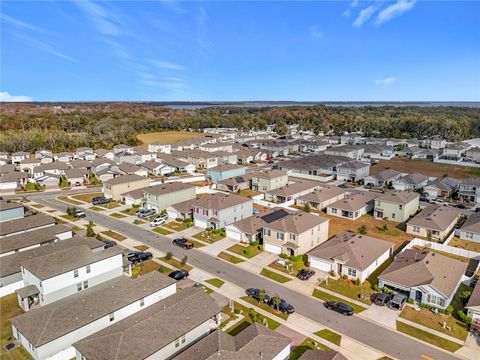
339, 307
108, 244
283, 307
139, 256
157, 222
100, 200
143, 213
305, 274
183, 243
255, 294
80, 214
381, 299
397, 302
179, 274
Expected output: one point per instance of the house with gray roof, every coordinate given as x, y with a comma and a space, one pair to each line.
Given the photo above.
225, 171
321, 355
28, 223
426, 277
322, 197
355, 255
353, 171
383, 178
442, 187
160, 197
294, 189
353, 206
470, 230
473, 307
435, 220
414, 181
11, 211
469, 190
396, 205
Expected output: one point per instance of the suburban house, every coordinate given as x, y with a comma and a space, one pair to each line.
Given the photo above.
378, 152
473, 154
64, 157
322, 197
182, 210
473, 306
159, 331
219, 210
470, 230
103, 153
114, 188
355, 255
383, 178
51, 330
256, 341
11, 211
429, 154
156, 168
295, 234
76, 177
160, 197
81, 164
19, 156
396, 205
56, 168
13, 222
455, 151
442, 187
321, 355
435, 220
122, 148
414, 181
353, 206
65, 272
201, 159
426, 277
159, 147
29, 164
435, 142
292, 191
469, 190
269, 180
225, 171
12, 181
178, 165
134, 197
126, 168
353, 171
349, 151
235, 183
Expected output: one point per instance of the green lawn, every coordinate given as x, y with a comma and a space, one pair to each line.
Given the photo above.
69, 217
68, 200
428, 337
329, 335
246, 251
117, 215
349, 289
95, 208
291, 268
176, 226
238, 327
251, 316
327, 297
230, 258
130, 211
162, 231
77, 229
208, 236
274, 276
110, 205
87, 197
114, 235
265, 307
215, 282
8, 309
176, 263
307, 344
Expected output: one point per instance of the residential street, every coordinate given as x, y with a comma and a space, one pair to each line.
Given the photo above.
376, 336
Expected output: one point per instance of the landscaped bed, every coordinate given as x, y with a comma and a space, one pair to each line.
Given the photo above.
162, 231
250, 316
110, 205
428, 337
348, 288
215, 282
117, 215
274, 276
176, 226
149, 266
246, 251
329, 335
114, 235
230, 258
265, 307
327, 297
209, 236
87, 197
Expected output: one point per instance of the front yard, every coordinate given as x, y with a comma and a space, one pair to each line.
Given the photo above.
176, 226
274, 276
162, 231
114, 235
265, 307
131, 211
307, 344
329, 335
87, 197
118, 215
209, 236
149, 266
69, 217
428, 337
215, 282
327, 297
246, 251
230, 258
68, 200
176, 263
347, 287
291, 267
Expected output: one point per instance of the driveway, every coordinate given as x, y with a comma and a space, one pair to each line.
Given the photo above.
382, 315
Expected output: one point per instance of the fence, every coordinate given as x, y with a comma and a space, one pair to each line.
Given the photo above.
325, 178
443, 248
460, 163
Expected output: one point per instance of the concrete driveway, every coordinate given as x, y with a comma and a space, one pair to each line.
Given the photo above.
382, 315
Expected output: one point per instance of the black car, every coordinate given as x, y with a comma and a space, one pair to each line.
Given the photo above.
109, 243
139, 256
461, 206
255, 294
284, 306
100, 200
381, 299
183, 243
305, 274
179, 274
339, 307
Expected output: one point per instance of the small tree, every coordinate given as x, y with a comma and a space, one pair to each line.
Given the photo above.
276, 302
261, 295
357, 282
184, 260
168, 255
306, 208
363, 229
429, 235
465, 296
90, 232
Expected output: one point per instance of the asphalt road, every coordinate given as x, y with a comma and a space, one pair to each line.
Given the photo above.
364, 331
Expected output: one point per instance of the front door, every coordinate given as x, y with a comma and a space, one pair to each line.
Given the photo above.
418, 296
339, 269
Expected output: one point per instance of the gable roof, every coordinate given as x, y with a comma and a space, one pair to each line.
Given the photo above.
26, 223
435, 217
269, 174
296, 222
398, 197
295, 187
167, 188
386, 174
472, 224
323, 194
413, 179
123, 179
253, 224
321, 355
355, 202
219, 201
226, 167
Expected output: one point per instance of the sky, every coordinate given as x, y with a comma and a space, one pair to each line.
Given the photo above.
401, 50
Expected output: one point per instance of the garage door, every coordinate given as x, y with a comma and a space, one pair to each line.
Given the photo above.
273, 248
200, 223
234, 233
172, 214
320, 265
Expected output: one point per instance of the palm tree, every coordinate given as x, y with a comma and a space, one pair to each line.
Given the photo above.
276, 302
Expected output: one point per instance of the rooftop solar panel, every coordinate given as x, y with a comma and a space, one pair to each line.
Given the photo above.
274, 216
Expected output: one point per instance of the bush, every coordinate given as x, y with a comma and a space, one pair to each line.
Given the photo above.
137, 221
208, 229
99, 237
449, 310
179, 220
283, 256
168, 255
296, 258
410, 301
344, 277
363, 229
256, 242
464, 318
237, 311
163, 212
90, 232
248, 252
357, 282
184, 260
136, 206
332, 272
376, 288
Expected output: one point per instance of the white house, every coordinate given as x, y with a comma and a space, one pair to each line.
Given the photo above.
353, 206
470, 230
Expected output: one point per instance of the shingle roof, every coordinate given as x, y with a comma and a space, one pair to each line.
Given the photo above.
219, 201
398, 197
475, 297
358, 251
269, 174
26, 223
435, 217
297, 222
322, 194
355, 202
9, 205
413, 179
123, 179
386, 174
226, 167
142, 334
167, 188
321, 355
472, 224
253, 224
57, 319
13, 176
295, 187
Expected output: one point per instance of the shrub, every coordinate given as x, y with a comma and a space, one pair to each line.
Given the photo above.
256, 242
296, 258
376, 288
90, 232
363, 229
410, 301
344, 277
184, 260
135, 206
164, 212
464, 318
283, 256
137, 221
465, 296
99, 237
357, 282
248, 252
449, 310
237, 311
208, 229
332, 273
168, 255
179, 220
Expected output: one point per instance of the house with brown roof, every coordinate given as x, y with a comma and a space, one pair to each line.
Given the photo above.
76, 177
160, 197
225, 171
268, 180
294, 234
396, 205
442, 188
353, 206
426, 277
354, 255
321, 355
353, 171
291, 191
322, 197
470, 230
413, 181
236, 183
114, 188
383, 178
473, 306
434, 221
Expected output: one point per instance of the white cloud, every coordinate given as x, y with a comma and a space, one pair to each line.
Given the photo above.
163, 64
21, 25
364, 15
394, 10
6, 97
315, 32
387, 81
44, 47
348, 12
104, 20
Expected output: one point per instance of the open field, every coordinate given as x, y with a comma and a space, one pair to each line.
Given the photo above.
425, 167
166, 137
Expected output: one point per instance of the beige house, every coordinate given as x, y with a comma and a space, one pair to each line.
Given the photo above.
269, 180
435, 219
321, 198
473, 306
116, 187
292, 191
161, 196
295, 234
396, 205
354, 206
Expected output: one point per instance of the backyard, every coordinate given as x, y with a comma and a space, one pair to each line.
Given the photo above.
8, 309
347, 287
464, 244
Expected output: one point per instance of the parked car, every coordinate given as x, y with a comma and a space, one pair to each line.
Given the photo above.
461, 206
381, 299
439, 202
369, 186
183, 243
255, 294
157, 222
179, 274
284, 306
339, 307
271, 161
306, 274
100, 200
397, 302
80, 214
108, 244
139, 256
143, 213
78, 183
253, 162
161, 216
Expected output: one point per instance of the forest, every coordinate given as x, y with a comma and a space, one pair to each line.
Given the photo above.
66, 126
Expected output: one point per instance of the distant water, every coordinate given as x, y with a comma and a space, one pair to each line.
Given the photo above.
259, 104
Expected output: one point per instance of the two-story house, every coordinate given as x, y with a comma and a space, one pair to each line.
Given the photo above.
225, 171
414, 181
396, 205
268, 180
114, 188
470, 230
469, 190
353, 171
160, 197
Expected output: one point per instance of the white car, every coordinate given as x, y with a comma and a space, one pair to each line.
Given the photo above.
158, 221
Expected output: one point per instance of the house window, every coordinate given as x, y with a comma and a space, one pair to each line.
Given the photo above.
436, 300
293, 237
85, 285
468, 235
142, 302
393, 215
180, 340
40, 284
79, 287
266, 232
416, 229
112, 317
352, 272
400, 207
75, 273
88, 269
334, 210
280, 236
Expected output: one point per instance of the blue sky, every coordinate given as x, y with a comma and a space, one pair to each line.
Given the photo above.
168, 50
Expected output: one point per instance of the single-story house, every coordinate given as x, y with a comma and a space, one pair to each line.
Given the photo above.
353, 206
414, 181
436, 220
235, 183
322, 197
182, 210
442, 188
11, 211
383, 178
470, 230
292, 190
76, 176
